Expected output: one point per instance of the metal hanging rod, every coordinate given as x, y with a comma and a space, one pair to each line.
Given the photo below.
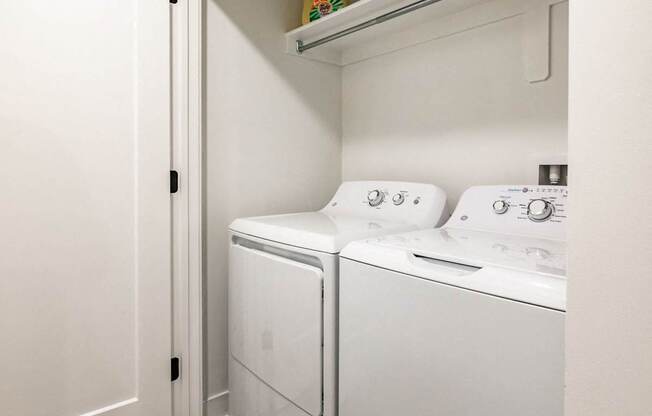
301, 47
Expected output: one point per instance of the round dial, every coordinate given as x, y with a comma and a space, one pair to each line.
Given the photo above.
398, 199
375, 198
501, 207
540, 210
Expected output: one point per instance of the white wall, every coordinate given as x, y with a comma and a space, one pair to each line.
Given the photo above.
273, 133
456, 111
609, 331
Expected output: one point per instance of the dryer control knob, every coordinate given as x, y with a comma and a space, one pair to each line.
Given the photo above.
501, 207
375, 197
540, 210
398, 199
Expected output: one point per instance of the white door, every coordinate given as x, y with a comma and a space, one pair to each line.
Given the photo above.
85, 208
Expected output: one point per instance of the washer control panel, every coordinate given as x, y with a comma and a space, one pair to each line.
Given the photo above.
391, 201
531, 210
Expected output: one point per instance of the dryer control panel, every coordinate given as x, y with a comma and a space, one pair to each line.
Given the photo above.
421, 204
528, 210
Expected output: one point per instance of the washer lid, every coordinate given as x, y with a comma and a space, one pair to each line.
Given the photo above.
316, 230
525, 269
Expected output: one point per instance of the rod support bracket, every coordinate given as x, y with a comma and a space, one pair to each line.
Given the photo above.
299, 47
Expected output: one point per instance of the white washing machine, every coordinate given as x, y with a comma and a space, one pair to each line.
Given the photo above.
283, 293
465, 320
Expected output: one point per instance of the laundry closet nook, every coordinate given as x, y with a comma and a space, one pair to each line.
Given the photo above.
457, 93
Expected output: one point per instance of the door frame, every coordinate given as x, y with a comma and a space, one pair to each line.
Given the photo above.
186, 19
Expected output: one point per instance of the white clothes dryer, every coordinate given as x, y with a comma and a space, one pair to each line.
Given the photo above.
465, 320
283, 293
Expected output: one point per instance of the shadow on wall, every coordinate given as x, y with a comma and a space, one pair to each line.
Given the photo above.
465, 82
273, 143
264, 23
457, 111
276, 116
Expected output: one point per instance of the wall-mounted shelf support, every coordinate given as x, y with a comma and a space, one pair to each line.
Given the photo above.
536, 43
301, 47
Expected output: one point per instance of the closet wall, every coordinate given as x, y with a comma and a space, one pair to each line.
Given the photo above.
457, 111
609, 326
273, 132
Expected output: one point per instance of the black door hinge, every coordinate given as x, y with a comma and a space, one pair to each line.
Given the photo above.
174, 181
173, 1
175, 367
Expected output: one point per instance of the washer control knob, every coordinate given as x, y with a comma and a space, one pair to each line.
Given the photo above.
501, 207
398, 199
540, 210
375, 198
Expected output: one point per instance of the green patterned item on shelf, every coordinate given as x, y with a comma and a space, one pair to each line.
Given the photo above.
316, 9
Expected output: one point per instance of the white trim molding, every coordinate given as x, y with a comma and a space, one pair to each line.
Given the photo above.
217, 404
112, 407
218, 396
196, 202
187, 160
